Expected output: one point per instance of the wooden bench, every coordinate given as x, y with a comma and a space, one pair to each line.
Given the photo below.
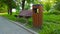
25, 14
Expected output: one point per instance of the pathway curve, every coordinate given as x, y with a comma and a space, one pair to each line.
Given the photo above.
7, 27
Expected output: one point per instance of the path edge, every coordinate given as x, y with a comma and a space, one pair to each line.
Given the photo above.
20, 25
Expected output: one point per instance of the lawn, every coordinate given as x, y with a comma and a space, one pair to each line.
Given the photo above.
51, 23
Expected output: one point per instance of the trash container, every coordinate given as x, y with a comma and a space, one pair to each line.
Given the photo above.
37, 15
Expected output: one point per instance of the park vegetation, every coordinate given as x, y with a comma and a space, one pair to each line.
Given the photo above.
51, 13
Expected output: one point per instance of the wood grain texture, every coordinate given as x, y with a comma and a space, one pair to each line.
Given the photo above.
37, 17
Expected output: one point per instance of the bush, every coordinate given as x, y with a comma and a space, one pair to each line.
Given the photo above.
56, 31
21, 20
30, 21
57, 6
55, 12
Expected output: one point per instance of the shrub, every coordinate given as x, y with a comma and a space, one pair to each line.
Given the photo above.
56, 31
57, 6
30, 21
55, 12
21, 20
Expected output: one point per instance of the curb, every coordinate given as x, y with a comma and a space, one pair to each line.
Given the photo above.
17, 23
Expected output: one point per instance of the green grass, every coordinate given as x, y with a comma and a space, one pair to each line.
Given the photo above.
51, 23
52, 18
12, 17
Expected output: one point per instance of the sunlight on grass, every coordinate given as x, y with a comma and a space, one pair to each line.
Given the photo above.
3, 13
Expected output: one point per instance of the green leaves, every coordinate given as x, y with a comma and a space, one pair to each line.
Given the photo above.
57, 6
3, 7
30, 1
9, 3
47, 6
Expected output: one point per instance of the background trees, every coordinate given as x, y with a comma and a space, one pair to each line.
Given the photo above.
10, 4
25, 4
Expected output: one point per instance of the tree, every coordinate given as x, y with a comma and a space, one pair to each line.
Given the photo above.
10, 3
3, 7
27, 5
23, 4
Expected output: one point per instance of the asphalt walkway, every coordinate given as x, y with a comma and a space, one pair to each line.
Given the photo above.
7, 27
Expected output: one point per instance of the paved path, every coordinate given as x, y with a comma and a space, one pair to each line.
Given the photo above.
7, 27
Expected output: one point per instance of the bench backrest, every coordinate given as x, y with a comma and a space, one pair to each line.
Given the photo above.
26, 13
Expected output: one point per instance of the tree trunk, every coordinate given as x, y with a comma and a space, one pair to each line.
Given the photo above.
23, 4
10, 11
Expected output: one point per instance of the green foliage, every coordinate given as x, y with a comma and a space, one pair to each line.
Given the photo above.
51, 23
9, 3
30, 21
51, 20
57, 6
8, 17
30, 1
55, 12
56, 31
27, 6
47, 6
3, 8
22, 20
